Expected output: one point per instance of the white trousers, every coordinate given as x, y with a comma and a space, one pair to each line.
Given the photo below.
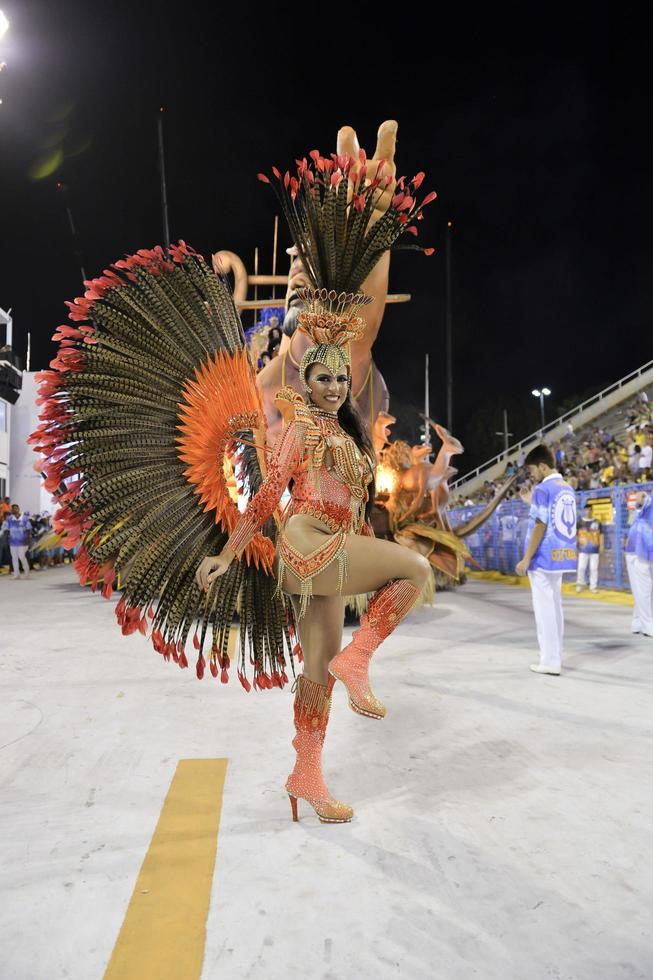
640, 573
546, 592
19, 554
584, 560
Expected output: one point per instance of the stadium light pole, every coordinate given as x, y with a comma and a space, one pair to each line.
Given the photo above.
162, 177
541, 394
448, 327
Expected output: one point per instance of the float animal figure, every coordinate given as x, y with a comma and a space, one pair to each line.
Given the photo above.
418, 504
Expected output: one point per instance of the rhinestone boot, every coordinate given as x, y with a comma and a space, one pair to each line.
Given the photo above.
387, 608
312, 707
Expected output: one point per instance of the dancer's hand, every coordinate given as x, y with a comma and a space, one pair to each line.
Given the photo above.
521, 567
348, 145
212, 567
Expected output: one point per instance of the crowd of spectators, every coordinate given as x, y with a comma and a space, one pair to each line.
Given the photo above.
22, 540
594, 458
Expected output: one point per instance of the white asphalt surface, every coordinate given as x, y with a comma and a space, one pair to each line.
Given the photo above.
503, 819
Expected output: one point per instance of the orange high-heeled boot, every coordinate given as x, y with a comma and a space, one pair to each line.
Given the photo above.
312, 707
387, 608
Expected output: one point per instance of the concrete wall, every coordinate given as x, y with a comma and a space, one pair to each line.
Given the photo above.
5, 423
26, 485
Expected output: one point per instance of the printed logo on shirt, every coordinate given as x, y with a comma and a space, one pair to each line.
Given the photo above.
563, 554
563, 516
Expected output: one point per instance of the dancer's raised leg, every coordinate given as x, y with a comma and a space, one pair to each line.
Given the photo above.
396, 575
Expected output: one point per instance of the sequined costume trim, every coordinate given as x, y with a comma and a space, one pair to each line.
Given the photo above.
331, 515
306, 567
329, 477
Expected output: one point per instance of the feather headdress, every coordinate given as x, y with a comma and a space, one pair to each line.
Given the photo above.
331, 207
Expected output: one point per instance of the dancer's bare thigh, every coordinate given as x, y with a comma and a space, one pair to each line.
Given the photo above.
320, 628
371, 562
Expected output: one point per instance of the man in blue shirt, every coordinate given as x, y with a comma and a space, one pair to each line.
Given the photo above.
20, 529
550, 551
639, 562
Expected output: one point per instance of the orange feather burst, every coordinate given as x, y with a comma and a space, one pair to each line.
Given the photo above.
220, 401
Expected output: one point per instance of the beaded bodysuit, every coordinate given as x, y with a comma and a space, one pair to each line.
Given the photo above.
330, 477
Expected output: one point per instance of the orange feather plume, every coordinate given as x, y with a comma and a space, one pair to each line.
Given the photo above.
220, 401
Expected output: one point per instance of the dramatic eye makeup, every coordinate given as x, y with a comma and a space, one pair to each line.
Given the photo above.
326, 378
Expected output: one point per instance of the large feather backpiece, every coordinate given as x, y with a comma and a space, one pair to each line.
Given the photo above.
144, 413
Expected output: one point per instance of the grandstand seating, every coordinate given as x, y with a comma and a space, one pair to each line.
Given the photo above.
607, 409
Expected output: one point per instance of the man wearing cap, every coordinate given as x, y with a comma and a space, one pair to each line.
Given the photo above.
550, 551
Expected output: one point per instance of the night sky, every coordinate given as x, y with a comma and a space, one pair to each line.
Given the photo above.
531, 127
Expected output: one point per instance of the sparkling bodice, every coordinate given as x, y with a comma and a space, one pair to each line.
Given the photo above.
328, 473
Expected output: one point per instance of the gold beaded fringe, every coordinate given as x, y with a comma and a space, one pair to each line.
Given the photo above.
306, 593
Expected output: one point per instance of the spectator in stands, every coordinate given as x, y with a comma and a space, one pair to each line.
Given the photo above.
607, 473
571, 479
19, 528
646, 458
633, 460
550, 551
639, 562
589, 542
596, 457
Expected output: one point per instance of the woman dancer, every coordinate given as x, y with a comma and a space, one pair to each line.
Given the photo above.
325, 546
150, 413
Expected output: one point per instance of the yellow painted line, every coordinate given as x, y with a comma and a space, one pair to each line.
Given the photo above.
164, 931
569, 588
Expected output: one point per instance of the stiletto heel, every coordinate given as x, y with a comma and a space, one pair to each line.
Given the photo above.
312, 706
293, 807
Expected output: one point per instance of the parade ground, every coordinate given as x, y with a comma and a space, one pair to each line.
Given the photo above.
502, 822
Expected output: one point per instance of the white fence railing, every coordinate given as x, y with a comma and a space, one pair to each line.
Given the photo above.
539, 434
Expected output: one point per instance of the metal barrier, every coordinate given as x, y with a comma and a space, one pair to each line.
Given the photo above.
499, 544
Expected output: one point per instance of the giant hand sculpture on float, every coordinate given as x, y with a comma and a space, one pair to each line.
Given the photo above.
368, 386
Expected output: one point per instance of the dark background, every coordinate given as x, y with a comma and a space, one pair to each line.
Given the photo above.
530, 124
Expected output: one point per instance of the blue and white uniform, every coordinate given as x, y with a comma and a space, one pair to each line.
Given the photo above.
639, 562
554, 505
19, 534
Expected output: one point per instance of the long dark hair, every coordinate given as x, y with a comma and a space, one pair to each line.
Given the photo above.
351, 421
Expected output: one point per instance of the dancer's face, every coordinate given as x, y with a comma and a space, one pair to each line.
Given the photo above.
327, 391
